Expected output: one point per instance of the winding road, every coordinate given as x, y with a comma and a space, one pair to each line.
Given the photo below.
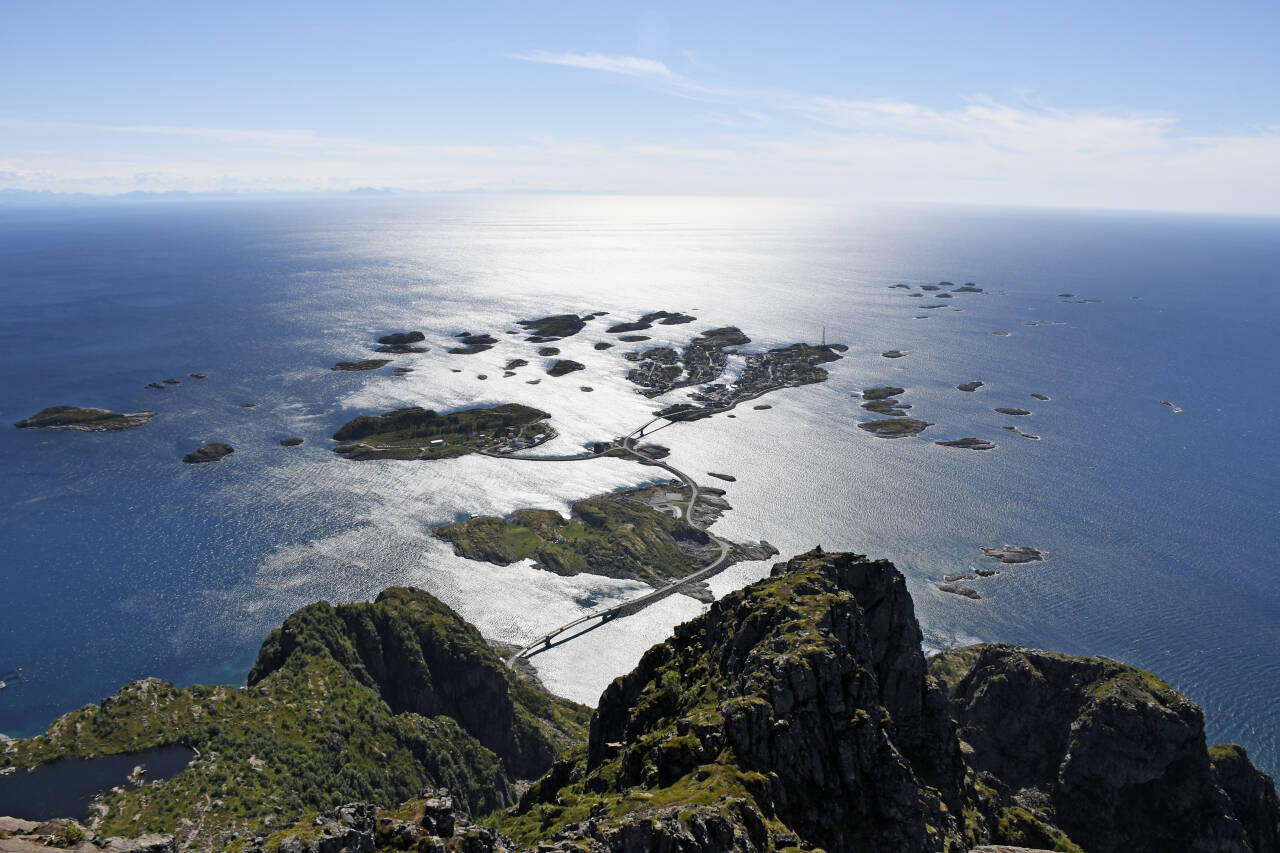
596, 618
627, 443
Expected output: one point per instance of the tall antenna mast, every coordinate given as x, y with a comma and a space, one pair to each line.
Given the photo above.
824, 334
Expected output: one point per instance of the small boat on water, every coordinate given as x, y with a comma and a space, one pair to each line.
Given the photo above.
11, 678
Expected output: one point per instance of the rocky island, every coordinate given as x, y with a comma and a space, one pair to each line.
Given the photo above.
472, 344
366, 364
639, 533
797, 713
564, 366
883, 401
895, 427
211, 452
968, 443
552, 328
402, 342
1015, 554
665, 318
422, 434
703, 360
84, 420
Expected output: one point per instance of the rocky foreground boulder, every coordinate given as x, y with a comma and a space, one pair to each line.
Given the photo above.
798, 713
1108, 753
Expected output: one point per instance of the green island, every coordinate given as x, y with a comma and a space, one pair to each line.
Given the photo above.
882, 392
77, 419
968, 443
418, 433
629, 534
895, 428
882, 401
797, 713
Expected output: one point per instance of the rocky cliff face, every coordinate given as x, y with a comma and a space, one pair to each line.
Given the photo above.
1108, 753
798, 713
796, 710
371, 702
423, 658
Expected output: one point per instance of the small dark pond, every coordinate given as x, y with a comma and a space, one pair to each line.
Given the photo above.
64, 788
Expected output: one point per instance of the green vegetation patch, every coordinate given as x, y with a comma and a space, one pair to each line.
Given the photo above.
423, 434
325, 720
896, 428
882, 392
616, 535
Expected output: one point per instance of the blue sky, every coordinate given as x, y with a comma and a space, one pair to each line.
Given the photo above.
1126, 105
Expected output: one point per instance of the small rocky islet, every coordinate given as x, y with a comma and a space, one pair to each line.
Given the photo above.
472, 344
882, 401
77, 419
969, 443
565, 366
365, 364
553, 328
1013, 429
895, 427
665, 318
402, 342
1015, 554
970, 386
211, 452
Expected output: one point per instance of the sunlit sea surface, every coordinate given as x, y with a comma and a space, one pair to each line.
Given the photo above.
1161, 527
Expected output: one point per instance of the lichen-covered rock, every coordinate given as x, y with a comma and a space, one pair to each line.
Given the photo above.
795, 710
1108, 753
1252, 794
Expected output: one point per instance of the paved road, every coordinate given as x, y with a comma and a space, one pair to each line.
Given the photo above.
635, 605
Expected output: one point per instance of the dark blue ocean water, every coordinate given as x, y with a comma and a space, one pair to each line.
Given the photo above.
120, 562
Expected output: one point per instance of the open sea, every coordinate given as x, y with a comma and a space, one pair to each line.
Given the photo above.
120, 562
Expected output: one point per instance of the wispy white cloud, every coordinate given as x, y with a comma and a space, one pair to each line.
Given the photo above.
632, 66
744, 140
